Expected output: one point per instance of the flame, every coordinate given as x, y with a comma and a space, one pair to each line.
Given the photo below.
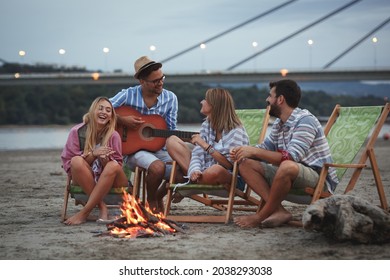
137, 220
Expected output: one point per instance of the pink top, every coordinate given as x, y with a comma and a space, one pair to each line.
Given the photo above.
72, 147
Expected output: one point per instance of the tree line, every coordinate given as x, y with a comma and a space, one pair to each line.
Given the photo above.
66, 104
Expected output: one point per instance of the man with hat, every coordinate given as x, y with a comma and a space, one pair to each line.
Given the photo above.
149, 97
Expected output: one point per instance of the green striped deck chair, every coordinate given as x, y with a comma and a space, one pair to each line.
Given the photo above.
255, 122
251, 118
112, 199
352, 133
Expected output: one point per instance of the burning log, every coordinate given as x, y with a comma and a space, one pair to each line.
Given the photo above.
138, 220
149, 216
173, 224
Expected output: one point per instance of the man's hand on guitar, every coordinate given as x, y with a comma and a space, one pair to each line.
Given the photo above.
132, 122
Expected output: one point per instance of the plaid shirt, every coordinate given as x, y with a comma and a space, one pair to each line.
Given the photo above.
302, 136
201, 160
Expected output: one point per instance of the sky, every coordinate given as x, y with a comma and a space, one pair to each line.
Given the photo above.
129, 28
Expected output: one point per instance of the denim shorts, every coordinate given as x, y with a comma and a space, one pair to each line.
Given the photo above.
307, 177
240, 183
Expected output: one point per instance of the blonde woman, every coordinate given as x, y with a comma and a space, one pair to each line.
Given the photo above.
93, 157
221, 131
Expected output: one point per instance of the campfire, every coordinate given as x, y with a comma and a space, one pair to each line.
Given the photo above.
138, 220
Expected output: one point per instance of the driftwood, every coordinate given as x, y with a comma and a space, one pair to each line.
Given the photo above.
345, 217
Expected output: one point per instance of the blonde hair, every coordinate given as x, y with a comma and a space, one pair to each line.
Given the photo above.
223, 116
92, 135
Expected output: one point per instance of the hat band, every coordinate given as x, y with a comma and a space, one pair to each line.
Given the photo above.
146, 66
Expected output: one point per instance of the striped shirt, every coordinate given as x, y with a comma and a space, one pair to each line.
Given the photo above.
166, 106
201, 160
302, 136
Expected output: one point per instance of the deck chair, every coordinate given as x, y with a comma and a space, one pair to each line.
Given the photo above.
255, 122
139, 184
112, 199
348, 130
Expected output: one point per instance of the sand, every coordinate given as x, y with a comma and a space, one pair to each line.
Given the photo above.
32, 189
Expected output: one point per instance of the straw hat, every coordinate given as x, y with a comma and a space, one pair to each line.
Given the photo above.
143, 63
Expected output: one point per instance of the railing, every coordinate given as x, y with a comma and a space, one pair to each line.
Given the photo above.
213, 77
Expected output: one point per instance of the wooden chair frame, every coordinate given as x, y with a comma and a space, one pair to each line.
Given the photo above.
139, 183
368, 153
112, 199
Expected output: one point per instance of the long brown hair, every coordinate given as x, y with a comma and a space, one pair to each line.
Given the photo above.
223, 116
93, 136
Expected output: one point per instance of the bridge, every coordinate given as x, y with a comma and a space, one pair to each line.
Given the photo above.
217, 77
225, 76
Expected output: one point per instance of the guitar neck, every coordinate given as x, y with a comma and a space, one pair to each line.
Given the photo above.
166, 133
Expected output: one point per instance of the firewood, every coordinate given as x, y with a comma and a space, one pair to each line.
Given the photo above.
143, 226
149, 217
173, 225
158, 229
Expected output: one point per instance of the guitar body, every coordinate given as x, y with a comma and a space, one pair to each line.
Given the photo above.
150, 136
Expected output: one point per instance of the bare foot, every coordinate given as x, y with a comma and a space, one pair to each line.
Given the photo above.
76, 219
103, 215
161, 206
248, 221
277, 219
177, 197
154, 207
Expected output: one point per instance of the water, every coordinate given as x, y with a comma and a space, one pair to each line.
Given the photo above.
45, 137
23, 138
54, 137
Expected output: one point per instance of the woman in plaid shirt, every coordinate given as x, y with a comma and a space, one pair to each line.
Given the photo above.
209, 161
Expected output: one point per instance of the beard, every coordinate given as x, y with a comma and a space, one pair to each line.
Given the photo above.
158, 91
274, 111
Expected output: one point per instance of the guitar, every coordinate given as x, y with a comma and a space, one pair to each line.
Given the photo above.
150, 136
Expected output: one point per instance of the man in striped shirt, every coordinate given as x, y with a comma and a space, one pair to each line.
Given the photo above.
291, 156
149, 97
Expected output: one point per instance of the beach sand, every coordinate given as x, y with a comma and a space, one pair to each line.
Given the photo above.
32, 194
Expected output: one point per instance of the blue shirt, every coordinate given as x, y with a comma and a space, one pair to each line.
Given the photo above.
302, 136
166, 106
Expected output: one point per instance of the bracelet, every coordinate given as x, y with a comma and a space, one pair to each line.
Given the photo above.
208, 148
285, 155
